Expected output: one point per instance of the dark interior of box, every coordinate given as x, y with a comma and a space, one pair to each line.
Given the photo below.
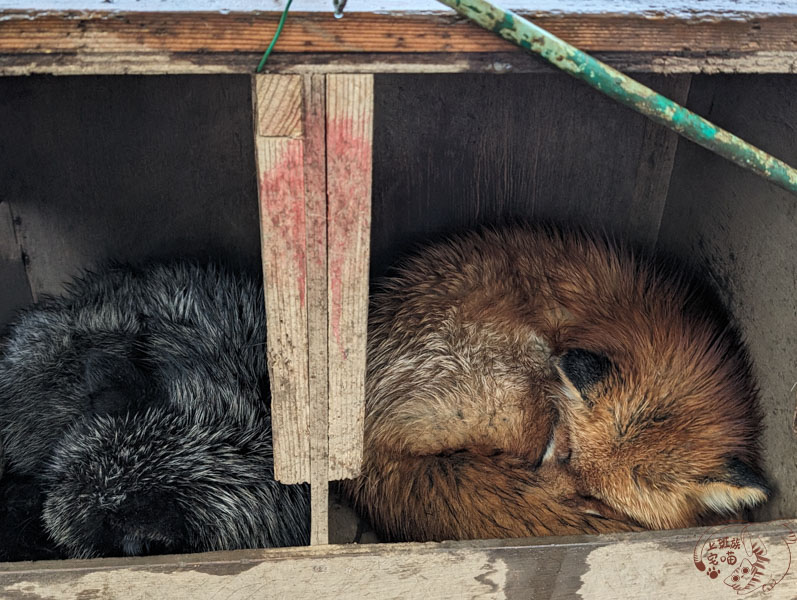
134, 168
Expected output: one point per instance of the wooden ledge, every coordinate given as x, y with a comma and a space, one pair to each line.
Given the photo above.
746, 37
652, 564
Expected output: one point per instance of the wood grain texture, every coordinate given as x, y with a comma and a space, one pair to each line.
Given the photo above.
743, 232
350, 105
163, 63
455, 151
279, 106
656, 157
16, 290
129, 169
675, 8
634, 566
283, 232
313, 91
131, 33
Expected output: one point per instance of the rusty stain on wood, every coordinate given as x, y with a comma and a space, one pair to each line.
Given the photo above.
313, 90
349, 137
279, 106
280, 164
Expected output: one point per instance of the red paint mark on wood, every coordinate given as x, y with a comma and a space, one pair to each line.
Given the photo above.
283, 225
349, 207
282, 196
349, 124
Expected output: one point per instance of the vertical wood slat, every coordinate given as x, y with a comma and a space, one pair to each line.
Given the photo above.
280, 164
656, 159
314, 177
316, 206
17, 290
279, 106
349, 149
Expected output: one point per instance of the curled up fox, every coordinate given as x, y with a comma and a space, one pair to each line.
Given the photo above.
534, 381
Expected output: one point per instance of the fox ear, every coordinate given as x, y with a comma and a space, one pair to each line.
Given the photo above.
581, 369
739, 486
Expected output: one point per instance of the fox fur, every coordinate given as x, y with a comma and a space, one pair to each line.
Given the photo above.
535, 381
138, 402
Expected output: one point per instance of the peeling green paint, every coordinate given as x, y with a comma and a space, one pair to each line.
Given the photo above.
507, 23
625, 90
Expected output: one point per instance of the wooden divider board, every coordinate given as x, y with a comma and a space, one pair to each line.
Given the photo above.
350, 114
313, 141
280, 164
316, 205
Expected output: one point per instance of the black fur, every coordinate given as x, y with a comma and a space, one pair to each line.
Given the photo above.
584, 368
742, 475
139, 400
21, 527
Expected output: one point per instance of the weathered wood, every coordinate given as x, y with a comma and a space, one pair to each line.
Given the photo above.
643, 565
350, 100
744, 231
313, 91
128, 169
279, 106
463, 150
88, 32
160, 63
16, 289
730, 9
653, 172
283, 232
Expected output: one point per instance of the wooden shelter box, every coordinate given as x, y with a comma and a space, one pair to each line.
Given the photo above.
134, 129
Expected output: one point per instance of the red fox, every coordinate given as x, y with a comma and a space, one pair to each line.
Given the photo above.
531, 381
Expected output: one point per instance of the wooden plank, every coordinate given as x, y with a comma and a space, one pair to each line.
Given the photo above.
743, 232
279, 106
462, 150
107, 32
732, 9
634, 566
316, 206
162, 63
16, 291
350, 100
656, 157
137, 169
280, 164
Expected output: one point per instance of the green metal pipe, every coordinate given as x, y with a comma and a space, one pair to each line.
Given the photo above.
625, 90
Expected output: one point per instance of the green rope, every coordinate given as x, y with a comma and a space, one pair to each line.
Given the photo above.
276, 37
625, 90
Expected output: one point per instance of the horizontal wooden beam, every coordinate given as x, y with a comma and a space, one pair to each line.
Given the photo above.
715, 9
660, 564
191, 36
149, 63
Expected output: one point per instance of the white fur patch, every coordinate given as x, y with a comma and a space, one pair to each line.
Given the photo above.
723, 498
549, 450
